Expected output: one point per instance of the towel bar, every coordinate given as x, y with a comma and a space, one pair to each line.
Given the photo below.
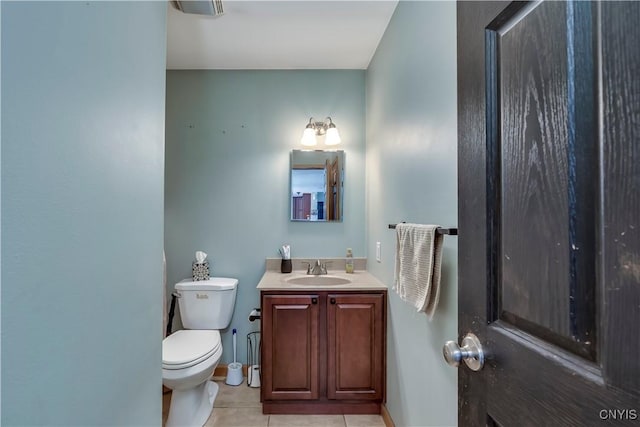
439, 230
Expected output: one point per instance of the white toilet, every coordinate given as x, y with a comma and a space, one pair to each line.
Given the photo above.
190, 356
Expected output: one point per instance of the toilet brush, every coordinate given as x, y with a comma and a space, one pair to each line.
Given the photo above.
234, 370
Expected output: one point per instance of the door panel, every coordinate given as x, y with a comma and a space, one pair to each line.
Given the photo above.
544, 152
534, 194
549, 123
620, 191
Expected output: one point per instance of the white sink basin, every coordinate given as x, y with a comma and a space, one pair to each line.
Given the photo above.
318, 280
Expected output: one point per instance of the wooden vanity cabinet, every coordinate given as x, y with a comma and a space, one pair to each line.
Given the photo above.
323, 352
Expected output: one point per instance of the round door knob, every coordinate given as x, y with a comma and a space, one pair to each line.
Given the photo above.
452, 353
470, 352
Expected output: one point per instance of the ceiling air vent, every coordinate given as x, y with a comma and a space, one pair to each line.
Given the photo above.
200, 7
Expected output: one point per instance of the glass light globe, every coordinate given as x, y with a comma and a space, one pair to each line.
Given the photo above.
332, 137
308, 137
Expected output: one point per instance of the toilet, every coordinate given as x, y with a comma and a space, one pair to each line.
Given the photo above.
190, 356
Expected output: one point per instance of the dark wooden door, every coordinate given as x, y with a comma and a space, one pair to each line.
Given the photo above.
302, 206
549, 212
290, 337
355, 346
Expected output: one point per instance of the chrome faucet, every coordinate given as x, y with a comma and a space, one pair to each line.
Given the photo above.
317, 269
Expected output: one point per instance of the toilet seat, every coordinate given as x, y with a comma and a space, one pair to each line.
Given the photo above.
187, 348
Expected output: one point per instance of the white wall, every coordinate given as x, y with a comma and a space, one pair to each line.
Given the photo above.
82, 211
412, 176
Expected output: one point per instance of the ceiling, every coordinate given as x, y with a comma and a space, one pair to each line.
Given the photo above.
265, 34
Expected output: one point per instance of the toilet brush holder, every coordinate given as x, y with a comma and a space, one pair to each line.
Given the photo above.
234, 374
234, 370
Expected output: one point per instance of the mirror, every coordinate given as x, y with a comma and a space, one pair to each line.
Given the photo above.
317, 185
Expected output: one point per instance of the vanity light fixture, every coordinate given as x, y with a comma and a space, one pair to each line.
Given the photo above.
316, 129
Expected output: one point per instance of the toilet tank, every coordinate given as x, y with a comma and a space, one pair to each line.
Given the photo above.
207, 304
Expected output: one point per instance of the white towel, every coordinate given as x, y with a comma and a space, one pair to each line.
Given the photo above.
418, 262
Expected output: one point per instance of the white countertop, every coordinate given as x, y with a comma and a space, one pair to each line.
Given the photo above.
360, 280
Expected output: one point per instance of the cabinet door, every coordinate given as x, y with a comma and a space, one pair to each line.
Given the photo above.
290, 347
355, 347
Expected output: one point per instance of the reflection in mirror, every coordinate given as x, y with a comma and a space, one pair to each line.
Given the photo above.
317, 185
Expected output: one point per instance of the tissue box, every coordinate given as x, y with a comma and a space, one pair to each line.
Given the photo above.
200, 270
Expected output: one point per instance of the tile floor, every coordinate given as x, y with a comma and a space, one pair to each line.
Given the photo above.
240, 406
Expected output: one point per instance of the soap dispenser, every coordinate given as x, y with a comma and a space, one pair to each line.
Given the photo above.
349, 261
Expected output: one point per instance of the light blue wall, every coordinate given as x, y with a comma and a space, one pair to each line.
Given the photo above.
411, 176
82, 212
0, 213
229, 138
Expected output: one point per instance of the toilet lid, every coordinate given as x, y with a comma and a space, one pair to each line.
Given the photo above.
188, 347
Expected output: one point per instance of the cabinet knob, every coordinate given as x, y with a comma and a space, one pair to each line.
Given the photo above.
314, 300
333, 301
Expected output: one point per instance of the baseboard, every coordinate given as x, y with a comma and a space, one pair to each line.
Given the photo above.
386, 417
221, 371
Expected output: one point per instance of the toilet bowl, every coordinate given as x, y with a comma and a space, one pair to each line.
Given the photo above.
190, 356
